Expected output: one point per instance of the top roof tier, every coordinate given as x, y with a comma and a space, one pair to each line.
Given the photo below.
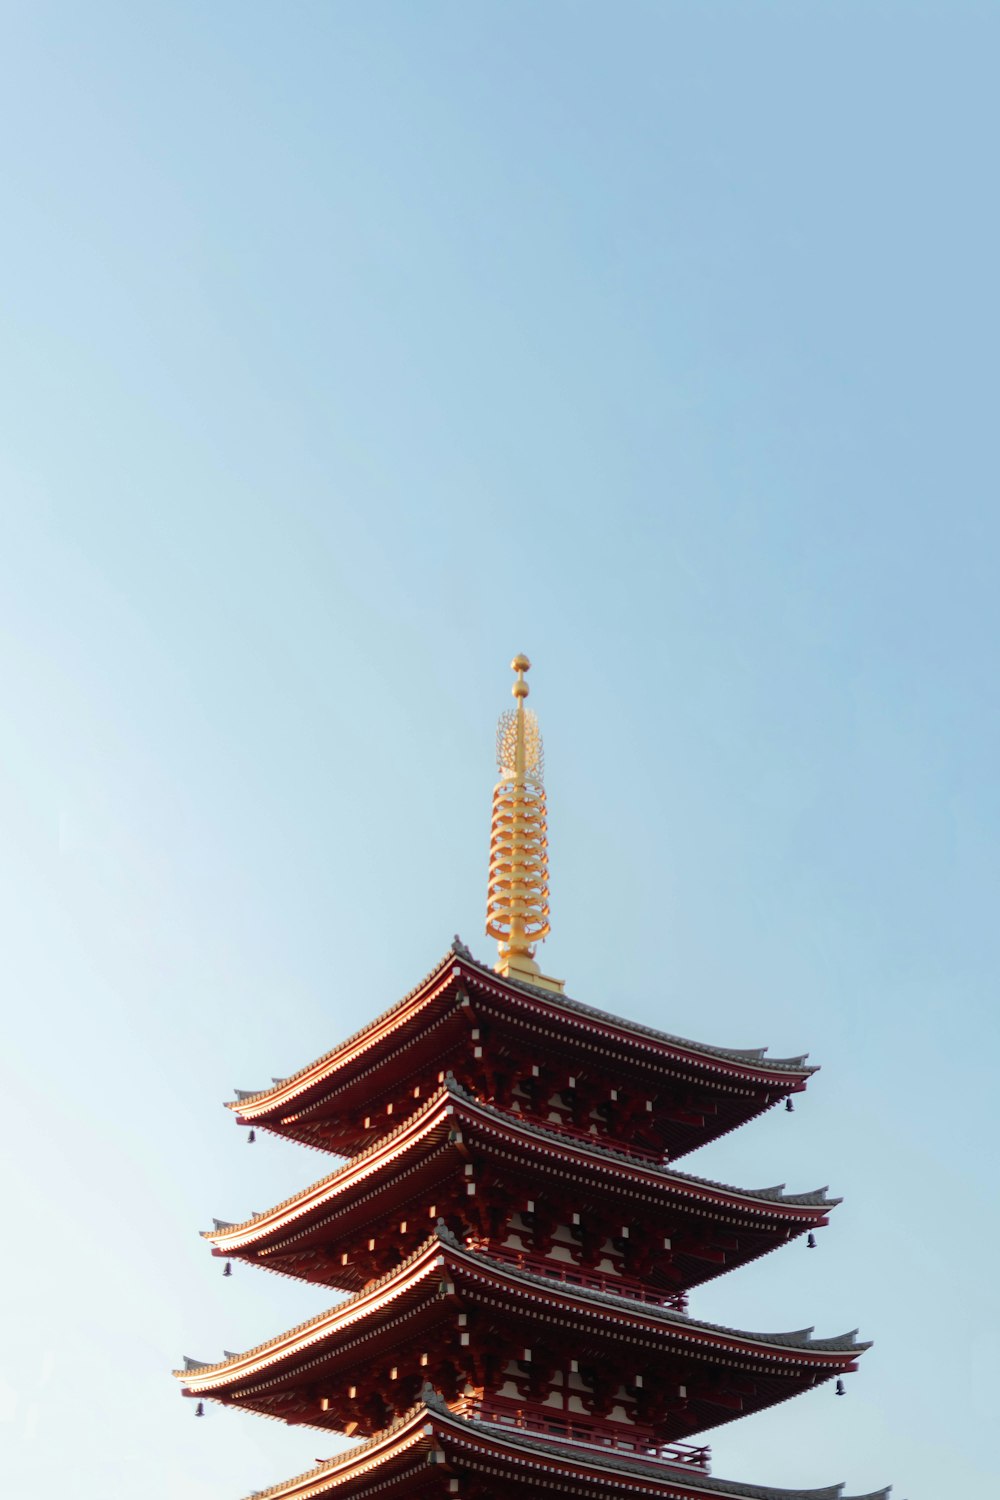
530, 1050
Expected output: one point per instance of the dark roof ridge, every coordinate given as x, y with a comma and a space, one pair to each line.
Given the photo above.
317, 1318
753, 1055
733, 1054
815, 1199
799, 1338
346, 1166
355, 1036
432, 1404
812, 1199
441, 1235
355, 1451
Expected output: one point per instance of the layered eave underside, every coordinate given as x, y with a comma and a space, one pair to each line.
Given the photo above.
432, 1425
450, 1096
751, 1062
443, 1249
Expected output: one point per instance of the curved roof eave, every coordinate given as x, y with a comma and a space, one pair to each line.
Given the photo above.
749, 1057
294, 1341
389, 1145
431, 1415
815, 1198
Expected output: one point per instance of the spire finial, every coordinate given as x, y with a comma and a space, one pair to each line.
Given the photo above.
517, 903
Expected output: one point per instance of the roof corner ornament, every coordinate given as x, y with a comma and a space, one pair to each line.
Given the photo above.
517, 902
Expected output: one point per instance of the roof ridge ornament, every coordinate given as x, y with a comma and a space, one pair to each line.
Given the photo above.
517, 902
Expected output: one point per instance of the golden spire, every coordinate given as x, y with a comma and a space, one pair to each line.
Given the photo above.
517, 903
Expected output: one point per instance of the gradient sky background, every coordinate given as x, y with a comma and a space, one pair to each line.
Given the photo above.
347, 349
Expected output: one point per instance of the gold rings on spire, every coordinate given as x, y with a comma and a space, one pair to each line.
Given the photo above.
517, 902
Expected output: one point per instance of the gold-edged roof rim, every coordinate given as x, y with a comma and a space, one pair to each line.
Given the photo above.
443, 1101
431, 1414
442, 1245
753, 1060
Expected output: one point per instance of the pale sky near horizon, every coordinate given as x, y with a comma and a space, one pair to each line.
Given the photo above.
347, 349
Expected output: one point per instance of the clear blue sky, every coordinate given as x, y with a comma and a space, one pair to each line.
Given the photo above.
345, 350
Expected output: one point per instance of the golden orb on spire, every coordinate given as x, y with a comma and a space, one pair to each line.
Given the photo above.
517, 902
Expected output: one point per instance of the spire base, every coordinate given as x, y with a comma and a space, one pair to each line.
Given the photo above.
521, 966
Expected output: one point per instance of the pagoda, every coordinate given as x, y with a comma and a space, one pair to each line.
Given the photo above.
511, 1236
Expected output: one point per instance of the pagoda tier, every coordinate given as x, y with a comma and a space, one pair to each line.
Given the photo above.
566, 1205
434, 1453
514, 1238
518, 1347
530, 1050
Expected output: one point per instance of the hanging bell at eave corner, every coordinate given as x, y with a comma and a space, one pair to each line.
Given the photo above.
840, 1388
199, 1410
810, 1243
251, 1137
789, 1107
228, 1268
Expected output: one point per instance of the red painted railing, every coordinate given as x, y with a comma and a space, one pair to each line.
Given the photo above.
577, 1429
596, 1281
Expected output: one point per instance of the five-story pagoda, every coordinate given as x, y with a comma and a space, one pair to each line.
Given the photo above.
514, 1239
